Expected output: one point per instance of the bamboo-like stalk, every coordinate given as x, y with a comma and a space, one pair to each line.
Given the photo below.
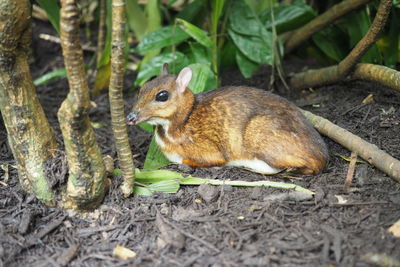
101, 36
30, 136
87, 175
338, 72
376, 73
365, 150
297, 37
116, 97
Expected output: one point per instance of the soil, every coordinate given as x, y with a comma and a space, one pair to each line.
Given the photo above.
215, 226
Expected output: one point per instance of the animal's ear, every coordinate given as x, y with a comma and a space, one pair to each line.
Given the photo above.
164, 70
183, 79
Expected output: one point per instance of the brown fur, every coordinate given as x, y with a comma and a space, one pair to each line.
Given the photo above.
233, 123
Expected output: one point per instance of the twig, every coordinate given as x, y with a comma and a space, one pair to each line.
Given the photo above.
359, 203
350, 172
57, 40
338, 72
296, 38
365, 150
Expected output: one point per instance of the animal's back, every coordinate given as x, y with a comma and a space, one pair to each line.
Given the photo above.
247, 123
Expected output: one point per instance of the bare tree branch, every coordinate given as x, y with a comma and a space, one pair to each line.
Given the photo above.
295, 38
365, 150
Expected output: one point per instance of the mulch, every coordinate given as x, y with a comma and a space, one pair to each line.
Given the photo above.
215, 225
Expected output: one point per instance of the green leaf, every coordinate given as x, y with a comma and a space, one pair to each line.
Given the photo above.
152, 68
167, 186
332, 42
217, 7
163, 37
142, 191
53, 12
228, 55
288, 17
136, 18
146, 126
59, 73
192, 10
243, 20
357, 25
155, 159
149, 177
196, 33
153, 15
106, 55
199, 54
117, 172
246, 66
203, 78
253, 47
392, 51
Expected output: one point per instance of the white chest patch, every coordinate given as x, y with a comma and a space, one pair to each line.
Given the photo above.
254, 165
175, 158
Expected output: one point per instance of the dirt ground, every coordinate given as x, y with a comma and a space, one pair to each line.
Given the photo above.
215, 226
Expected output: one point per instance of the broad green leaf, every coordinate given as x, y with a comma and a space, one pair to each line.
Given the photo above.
149, 177
142, 191
228, 55
203, 78
163, 37
153, 67
192, 10
288, 17
53, 12
136, 18
59, 73
253, 47
163, 177
243, 20
332, 42
246, 66
147, 127
167, 186
196, 33
155, 159
199, 54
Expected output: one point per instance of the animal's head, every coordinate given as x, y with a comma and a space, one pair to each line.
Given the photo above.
159, 99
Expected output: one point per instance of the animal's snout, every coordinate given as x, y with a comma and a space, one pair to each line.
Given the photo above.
131, 119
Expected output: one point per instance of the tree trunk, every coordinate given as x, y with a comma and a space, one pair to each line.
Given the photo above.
30, 136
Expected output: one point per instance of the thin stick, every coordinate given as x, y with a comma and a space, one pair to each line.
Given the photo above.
365, 150
350, 172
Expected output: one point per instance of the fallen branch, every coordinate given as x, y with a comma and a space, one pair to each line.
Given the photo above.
338, 72
376, 73
350, 172
365, 150
297, 37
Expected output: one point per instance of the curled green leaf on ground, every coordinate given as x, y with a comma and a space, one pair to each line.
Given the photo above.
167, 181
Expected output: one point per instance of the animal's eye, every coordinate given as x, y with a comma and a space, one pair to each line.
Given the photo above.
162, 96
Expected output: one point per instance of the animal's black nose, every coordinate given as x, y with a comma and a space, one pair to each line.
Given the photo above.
131, 118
